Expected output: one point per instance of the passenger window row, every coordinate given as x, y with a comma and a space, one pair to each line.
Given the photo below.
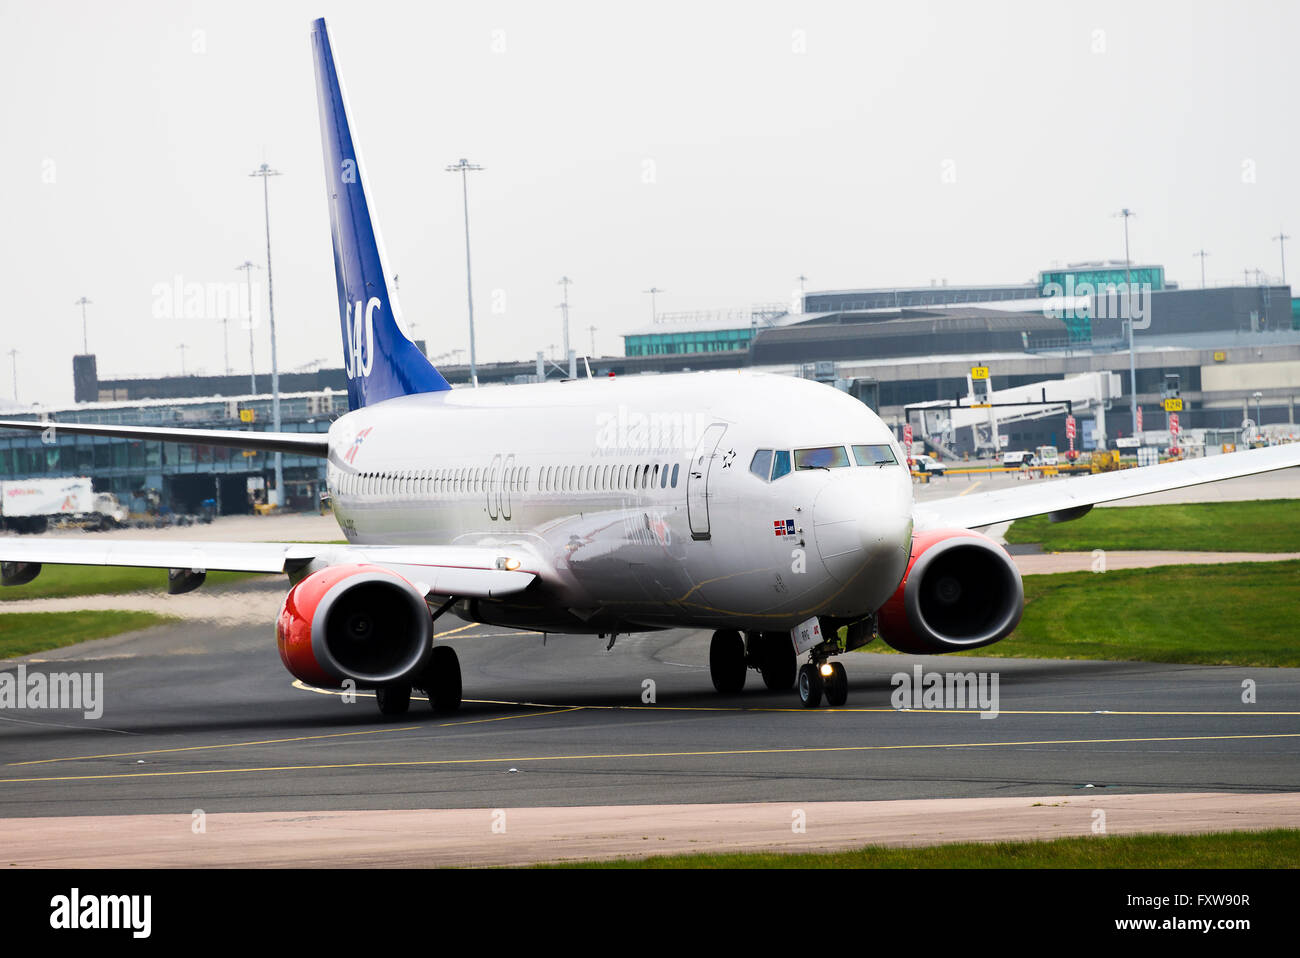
422, 483
607, 478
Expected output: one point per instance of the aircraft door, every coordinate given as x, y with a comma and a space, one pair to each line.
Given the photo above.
493, 490
506, 503
697, 481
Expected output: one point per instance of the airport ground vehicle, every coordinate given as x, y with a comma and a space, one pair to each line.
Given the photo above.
776, 512
928, 464
1014, 460
31, 505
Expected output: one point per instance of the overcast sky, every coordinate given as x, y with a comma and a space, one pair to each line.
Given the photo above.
714, 150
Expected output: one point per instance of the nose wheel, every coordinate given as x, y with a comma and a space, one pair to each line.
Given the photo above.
810, 686
823, 678
837, 686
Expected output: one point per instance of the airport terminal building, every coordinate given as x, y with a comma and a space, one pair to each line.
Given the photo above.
1234, 353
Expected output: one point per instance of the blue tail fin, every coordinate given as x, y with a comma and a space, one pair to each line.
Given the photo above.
380, 361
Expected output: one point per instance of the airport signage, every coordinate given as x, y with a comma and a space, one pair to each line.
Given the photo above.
1173, 405
979, 372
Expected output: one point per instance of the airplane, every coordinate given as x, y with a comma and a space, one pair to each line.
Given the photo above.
777, 512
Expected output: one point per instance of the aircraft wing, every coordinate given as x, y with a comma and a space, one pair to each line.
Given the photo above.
293, 443
1065, 499
462, 571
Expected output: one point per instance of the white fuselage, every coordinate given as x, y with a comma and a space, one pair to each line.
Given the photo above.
635, 497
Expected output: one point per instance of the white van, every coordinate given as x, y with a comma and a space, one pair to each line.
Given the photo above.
1047, 456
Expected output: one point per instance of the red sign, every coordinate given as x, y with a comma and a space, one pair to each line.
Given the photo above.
1069, 427
907, 442
1173, 424
1139, 418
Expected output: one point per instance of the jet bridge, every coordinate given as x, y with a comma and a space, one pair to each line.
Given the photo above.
938, 422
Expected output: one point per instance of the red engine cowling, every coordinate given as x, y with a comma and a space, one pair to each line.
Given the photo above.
960, 591
358, 622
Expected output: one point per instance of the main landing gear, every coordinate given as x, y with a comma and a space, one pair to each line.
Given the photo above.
440, 680
772, 654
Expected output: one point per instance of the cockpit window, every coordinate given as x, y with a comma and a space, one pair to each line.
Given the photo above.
876, 455
780, 464
823, 457
761, 464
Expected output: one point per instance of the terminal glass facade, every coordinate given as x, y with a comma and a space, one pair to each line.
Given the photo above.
1067, 282
689, 341
184, 475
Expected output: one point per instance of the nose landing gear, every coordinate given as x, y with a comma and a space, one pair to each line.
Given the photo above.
810, 685
823, 678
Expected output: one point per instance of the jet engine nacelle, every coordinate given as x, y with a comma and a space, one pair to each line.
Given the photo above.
358, 622
960, 591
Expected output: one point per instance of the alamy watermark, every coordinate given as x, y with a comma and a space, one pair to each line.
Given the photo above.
182, 299
626, 430
946, 690
57, 690
76, 910
1131, 301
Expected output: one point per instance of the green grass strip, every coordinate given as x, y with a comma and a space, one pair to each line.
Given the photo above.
1271, 525
23, 633
1275, 848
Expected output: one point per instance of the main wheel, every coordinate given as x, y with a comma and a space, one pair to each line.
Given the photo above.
837, 686
727, 661
810, 686
777, 661
441, 679
393, 699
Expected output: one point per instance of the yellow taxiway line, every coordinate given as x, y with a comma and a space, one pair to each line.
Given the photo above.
608, 756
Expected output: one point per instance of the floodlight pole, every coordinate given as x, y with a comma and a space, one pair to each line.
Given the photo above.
248, 266
1132, 354
265, 172
570, 357
653, 291
1202, 254
464, 167
85, 346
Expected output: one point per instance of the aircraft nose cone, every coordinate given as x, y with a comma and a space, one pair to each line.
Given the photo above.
863, 524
